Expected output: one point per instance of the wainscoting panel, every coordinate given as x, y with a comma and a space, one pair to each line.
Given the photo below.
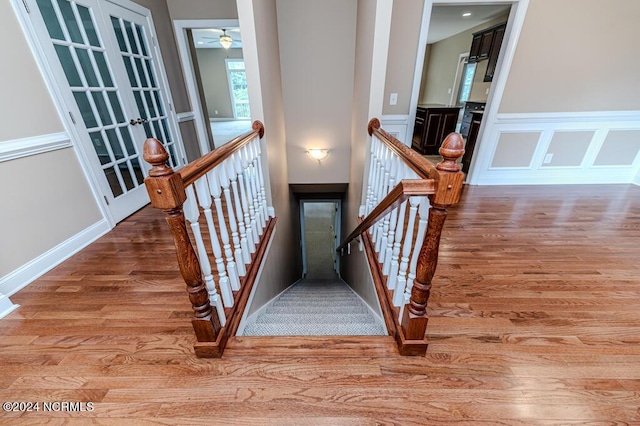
18, 148
559, 148
396, 125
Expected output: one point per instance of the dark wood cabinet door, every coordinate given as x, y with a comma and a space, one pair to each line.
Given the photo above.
496, 44
475, 48
471, 142
486, 40
418, 131
433, 125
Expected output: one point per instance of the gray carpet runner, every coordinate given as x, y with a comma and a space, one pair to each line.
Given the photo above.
317, 308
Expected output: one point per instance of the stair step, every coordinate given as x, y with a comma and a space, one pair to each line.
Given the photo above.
298, 303
319, 318
259, 329
358, 309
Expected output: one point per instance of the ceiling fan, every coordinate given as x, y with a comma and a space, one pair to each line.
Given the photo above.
223, 39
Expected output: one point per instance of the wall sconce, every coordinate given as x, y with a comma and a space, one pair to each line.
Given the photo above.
318, 154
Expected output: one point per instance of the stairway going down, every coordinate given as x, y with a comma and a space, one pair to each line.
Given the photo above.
315, 307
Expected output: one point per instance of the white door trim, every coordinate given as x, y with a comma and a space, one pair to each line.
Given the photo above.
512, 34
180, 26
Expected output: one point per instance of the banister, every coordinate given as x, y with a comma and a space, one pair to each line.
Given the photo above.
423, 167
196, 169
402, 191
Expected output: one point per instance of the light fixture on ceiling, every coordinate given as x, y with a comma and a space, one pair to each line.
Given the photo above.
318, 154
201, 42
466, 14
225, 40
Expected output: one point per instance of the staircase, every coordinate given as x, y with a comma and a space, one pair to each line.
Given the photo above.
315, 307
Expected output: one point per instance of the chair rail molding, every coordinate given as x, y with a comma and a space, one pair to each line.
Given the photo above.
33, 145
25, 274
546, 125
185, 116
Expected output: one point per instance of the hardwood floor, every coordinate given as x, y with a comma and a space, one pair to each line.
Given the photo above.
534, 320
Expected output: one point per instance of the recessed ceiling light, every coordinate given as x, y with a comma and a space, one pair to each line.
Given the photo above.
466, 14
201, 42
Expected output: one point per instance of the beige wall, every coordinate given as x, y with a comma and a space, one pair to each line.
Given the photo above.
202, 9
47, 201
317, 85
46, 198
479, 89
26, 107
403, 45
576, 55
440, 72
281, 267
620, 148
352, 266
213, 72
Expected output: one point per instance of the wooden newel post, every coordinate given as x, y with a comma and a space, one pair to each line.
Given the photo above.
167, 192
449, 181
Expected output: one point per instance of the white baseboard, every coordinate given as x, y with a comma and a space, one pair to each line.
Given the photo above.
6, 307
245, 314
636, 180
24, 275
559, 177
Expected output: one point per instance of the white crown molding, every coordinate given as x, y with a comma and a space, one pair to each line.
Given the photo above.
24, 275
18, 148
185, 116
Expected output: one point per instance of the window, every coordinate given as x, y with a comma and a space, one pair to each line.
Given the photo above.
238, 88
466, 81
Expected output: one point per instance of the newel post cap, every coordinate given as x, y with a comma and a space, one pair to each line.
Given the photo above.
155, 154
452, 148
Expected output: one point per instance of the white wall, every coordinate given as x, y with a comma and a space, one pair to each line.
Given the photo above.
317, 49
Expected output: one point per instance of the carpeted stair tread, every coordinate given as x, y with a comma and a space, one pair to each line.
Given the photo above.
316, 307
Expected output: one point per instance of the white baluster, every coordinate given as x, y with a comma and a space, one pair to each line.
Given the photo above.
233, 175
387, 186
394, 265
376, 186
247, 180
263, 194
204, 199
238, 161
191, 213
376, 177
406, 250
255, 182
368, 200
235, 238
214, 188
423, 213
393, 181
250, 176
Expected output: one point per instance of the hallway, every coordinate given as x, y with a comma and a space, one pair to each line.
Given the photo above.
533, 319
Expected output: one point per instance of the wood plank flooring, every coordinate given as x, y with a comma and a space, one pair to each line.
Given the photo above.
534, 320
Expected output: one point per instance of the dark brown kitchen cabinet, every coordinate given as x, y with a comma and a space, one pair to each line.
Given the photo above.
486, 45
476, 120
432, 125
496, 44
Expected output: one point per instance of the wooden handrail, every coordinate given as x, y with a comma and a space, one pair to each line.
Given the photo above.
402, 191
423, 167
198, 168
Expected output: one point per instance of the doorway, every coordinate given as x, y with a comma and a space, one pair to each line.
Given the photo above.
490, 73
320, 235
213, 63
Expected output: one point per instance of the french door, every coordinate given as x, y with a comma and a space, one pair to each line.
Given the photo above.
107, 70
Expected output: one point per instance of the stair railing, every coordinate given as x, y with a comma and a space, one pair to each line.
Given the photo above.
226, 186
404, 212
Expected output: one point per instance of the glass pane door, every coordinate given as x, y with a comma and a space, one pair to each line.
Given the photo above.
81, 53
133, 40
